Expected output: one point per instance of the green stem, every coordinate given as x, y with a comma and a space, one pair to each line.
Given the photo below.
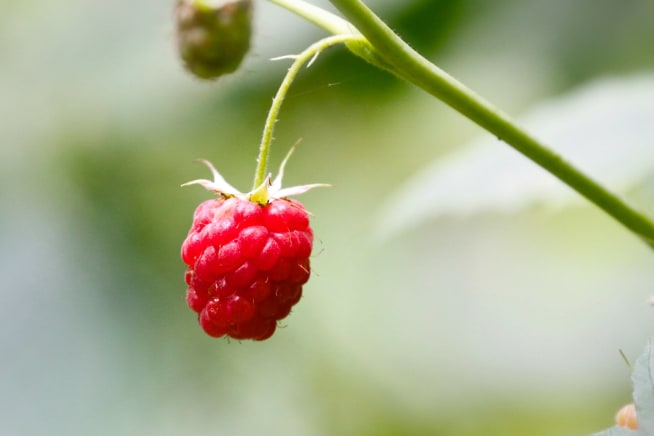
318, 16
386, 49
415, 68
336, 26
298, 61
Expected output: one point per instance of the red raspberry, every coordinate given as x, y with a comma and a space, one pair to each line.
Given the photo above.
247, 263
247, 256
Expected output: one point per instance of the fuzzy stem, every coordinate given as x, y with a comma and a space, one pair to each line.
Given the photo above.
398, 57
382, 47
307, 55
336, 26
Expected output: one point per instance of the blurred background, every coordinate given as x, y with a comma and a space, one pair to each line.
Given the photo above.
493, 322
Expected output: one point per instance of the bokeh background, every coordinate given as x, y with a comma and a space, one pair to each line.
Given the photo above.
488, 323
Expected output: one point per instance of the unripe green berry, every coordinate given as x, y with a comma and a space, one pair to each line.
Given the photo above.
213, 37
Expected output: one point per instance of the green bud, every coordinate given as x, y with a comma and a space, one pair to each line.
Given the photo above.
213, 37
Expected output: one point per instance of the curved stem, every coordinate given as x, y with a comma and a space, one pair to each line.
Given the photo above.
412, 66
318, 16
336, 26
307, 56
382, 47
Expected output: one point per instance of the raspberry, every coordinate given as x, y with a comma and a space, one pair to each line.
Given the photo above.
247, 263
626, 417
247, 257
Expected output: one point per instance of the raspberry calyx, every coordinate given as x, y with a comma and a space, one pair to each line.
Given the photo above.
247, 257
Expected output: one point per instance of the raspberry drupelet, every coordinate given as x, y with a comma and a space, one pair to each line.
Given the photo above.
247, 257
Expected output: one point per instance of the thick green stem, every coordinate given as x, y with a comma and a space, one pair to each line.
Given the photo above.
298, 61
384, 48
412, 66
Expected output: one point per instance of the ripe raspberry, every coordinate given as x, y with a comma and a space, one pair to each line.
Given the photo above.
626, 417
247, 257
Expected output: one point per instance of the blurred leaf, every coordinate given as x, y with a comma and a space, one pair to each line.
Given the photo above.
618, 431
643, 380
605, 129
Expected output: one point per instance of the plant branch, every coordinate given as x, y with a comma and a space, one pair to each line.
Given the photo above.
337, 26
385, 49
415, 68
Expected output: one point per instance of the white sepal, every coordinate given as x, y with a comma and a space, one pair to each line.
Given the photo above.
219, 184
263, 194
297, 190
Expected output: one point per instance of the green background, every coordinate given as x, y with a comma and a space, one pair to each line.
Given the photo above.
489, 324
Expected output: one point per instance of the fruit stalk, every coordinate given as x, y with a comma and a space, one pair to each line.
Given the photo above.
307, 56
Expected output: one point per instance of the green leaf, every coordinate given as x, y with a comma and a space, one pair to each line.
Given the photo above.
643, 380
604, 128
